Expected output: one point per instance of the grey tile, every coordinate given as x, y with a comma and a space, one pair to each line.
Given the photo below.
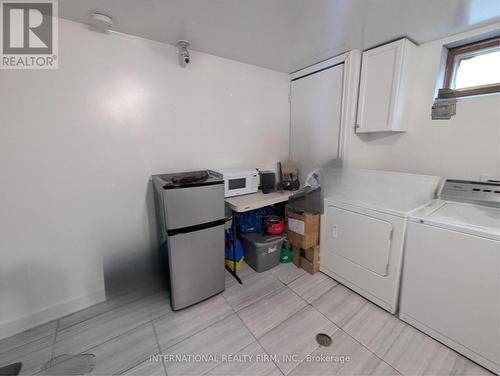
230, 280
287, 273
123, 352
296, 337
106, 326
28, 336
32, 355
178, 325
444, 362
375, 328
245, 273
384, 369
253, 289
225, 337
463, 366
159, 305
107, 305
251, 361
411, 352
79, 364
147, 368
339, 304
415, 353
344, 357
364, 362
312, 286
271, 310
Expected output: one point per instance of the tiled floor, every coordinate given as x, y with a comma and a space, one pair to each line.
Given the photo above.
266, 326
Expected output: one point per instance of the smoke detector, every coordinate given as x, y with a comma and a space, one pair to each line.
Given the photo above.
100, 22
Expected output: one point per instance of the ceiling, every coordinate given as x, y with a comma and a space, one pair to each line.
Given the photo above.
286, 35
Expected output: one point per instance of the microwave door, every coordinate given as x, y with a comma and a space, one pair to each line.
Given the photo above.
236, 186
237, 183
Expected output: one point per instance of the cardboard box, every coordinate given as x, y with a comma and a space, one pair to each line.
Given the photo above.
310, 254
302, 229
308, 266
307, 259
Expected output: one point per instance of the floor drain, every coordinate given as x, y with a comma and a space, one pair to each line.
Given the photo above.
323, 339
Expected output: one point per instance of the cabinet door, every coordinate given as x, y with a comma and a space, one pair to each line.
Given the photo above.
316, 108
362, 240
379, 86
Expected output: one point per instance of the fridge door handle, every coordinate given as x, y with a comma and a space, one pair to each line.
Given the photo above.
202, 226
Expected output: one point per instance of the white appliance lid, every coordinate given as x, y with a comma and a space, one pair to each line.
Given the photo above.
394, 193
464, 217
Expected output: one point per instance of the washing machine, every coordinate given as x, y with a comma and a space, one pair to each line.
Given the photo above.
363, 228
451, 275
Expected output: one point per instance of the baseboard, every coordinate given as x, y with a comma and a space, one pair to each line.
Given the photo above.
9, 328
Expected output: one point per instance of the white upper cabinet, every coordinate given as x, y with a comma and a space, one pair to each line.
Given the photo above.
385, 72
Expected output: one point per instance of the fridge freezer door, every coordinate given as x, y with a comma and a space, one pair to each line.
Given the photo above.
196, 262
190, 206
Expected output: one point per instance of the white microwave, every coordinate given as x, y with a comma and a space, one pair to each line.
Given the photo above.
239, 181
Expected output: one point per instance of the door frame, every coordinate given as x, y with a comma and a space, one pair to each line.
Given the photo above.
350, 87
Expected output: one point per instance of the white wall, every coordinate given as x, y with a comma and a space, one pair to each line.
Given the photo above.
464, 147
79, 144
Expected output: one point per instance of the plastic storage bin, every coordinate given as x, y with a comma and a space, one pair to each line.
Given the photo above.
262, 251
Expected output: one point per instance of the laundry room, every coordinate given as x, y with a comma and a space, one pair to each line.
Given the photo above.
250, 187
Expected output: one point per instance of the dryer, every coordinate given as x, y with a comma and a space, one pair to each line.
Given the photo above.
451, 276
363, 228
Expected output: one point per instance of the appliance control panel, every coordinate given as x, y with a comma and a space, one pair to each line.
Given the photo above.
486, 193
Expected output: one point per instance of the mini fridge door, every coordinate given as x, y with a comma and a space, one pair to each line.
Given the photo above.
185, 207
196, 263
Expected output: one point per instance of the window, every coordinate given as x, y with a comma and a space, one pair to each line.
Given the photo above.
472, 69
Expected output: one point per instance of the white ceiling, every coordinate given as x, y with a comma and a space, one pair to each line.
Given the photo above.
286, 35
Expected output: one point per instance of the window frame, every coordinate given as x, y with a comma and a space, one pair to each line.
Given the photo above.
451, 67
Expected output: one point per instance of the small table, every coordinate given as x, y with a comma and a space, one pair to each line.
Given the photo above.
244, 203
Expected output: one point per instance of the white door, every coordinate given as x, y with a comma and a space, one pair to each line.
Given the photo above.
362, 249
359, 238
316, 108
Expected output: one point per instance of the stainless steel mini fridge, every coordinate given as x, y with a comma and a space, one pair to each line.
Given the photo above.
190, 210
